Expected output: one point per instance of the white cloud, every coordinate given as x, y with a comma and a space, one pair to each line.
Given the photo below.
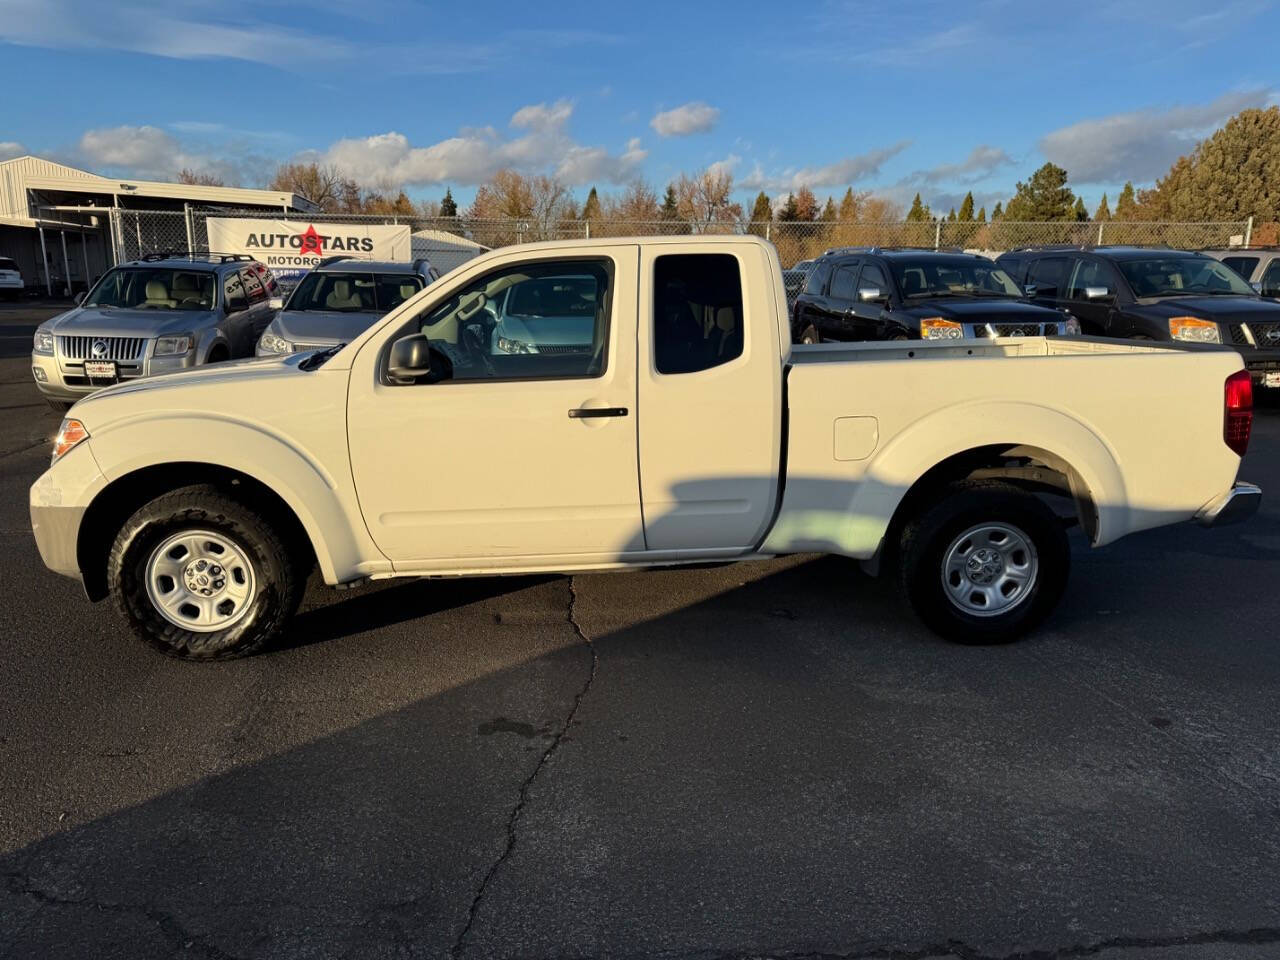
475, 154
150, 153
687, 119
845, 171
982, 161
1143, 144
11, 148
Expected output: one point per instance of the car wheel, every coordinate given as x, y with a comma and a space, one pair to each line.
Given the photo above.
985, 564
810, 335
201, 576
218, 354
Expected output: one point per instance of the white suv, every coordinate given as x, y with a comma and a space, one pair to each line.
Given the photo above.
11, 285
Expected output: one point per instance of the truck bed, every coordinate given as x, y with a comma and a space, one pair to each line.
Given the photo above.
802, 354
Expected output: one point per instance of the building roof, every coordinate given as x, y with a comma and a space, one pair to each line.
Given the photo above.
22, 174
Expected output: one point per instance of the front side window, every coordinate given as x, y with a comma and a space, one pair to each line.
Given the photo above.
1089, 273
873, 276
1172, 276
1270, 282
354, 292
546, 320
1048, 275
842, 282
153, 288
697, 311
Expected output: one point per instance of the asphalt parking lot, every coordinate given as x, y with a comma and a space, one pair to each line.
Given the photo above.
765, 760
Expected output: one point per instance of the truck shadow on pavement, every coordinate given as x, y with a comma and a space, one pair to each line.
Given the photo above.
760, 759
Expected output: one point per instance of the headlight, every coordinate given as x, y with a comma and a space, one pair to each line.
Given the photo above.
270, 343
1194, 329
936, 328
507, 345
173, 346
69, 434
1071, 327
43, 342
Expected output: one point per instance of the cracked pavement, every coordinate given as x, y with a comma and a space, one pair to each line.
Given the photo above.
760, 761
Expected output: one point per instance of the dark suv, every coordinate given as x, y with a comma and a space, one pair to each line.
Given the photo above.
1148, 293
881, 293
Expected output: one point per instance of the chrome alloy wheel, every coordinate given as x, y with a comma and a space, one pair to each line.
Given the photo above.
200, 581
989, 569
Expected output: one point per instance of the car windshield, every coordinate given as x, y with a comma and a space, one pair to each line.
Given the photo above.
954, 278
1182, 276
553, 297
353, 292
154, 288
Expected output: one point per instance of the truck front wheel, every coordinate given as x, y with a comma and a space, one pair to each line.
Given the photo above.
986, 563
201, 576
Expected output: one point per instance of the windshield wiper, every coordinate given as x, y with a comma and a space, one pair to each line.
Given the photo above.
318, 359
933, 294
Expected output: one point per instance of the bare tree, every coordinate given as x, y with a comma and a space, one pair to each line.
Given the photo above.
706, 198
324, 186
187, 175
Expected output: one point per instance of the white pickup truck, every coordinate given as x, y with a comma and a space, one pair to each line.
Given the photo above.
659, 416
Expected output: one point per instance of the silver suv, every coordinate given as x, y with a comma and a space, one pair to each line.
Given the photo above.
1259, 265
338, 300
155, 315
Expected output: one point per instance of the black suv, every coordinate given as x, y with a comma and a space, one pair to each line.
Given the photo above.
882, 293
1154, 293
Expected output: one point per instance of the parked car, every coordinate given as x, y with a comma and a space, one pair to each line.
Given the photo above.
1259, 265
11, 283
155, 315
692, 432
1147, 293
794, 279
338, 299
884, 293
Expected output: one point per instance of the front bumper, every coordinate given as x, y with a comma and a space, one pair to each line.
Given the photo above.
58, 378
58, 501
1239, 503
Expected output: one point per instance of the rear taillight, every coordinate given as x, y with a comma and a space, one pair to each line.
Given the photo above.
1238, 417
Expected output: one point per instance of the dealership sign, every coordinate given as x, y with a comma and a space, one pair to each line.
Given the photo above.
292, 247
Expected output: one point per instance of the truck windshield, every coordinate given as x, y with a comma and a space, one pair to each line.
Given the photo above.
1182, 276
153, 288
353, 292
954, 278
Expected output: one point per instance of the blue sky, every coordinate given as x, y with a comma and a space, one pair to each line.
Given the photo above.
940, 97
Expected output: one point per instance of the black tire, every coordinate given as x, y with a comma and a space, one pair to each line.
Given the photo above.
279, 577
810, 335
218, 354
59, 406
927, 538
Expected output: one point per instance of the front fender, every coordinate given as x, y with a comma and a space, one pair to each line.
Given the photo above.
319, 493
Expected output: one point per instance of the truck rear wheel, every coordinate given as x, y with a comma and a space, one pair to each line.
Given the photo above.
985, 564
201, 576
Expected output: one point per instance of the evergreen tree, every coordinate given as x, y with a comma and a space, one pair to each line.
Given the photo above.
761, 214
951, 216
997, 211
789, 212
669, 213
966, 208
591, 209
849, 206
1104, 210
919, 212
1081, 213
448, 206
828, 211
1127, 204
1044, 197
982, 214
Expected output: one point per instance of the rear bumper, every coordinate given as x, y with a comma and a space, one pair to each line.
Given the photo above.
1239, 503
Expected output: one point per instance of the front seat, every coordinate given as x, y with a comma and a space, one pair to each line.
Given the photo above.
342, 297
158, 295
185, 289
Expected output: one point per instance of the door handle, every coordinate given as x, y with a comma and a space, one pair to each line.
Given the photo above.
587, 413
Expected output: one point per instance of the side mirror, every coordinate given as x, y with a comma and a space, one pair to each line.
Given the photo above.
80, 298
1030, 289
1257, 287
1096, 293
870, 294
276, 303
411, 360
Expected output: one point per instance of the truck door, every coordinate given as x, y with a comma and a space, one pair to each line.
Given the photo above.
1094, 313
710, 398
523, 453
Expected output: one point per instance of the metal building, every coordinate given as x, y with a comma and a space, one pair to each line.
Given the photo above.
50, 224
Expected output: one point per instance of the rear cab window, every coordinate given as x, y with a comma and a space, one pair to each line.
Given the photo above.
817, 281
1242, 265
698, 320
1049, 275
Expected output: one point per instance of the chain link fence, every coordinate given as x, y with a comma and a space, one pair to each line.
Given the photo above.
448, 241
